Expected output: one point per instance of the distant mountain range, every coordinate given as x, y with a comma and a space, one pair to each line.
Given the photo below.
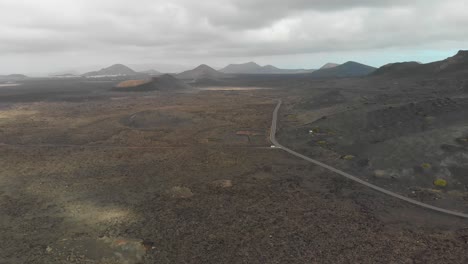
13, 77
348, 69
329, 70
457, 64
254, 68
201, 72
120, 70
65, 75
151, 72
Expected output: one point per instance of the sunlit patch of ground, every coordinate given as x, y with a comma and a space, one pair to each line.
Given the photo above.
92, 214
132, 83
9, 84
15, 113
233, 88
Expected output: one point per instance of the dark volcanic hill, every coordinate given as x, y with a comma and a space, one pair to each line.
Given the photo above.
329, 65
201, 72
254, 68
398, 68
348, 69
114, 70
168, 82
457, 64
164, 82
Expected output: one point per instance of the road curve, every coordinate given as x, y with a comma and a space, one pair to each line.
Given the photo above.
349, 176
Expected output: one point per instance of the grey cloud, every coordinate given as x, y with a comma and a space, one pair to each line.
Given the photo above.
179, 30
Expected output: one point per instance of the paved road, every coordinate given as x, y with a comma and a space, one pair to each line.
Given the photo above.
273, 140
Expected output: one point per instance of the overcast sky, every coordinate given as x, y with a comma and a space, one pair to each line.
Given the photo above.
45, 36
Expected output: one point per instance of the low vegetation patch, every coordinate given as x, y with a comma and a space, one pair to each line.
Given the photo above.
348, 157
440, 183
426, 166
322, 143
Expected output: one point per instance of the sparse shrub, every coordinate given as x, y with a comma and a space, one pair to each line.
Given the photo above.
348, 157
440, 183
426, 166
322, 142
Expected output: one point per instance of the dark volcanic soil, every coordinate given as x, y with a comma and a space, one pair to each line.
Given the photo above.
166, 178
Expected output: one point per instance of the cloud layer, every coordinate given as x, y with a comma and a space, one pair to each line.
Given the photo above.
92, 32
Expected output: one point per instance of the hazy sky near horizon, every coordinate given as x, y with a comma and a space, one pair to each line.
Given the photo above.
46, 36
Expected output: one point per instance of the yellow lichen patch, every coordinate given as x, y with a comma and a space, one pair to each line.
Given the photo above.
440, 183
426, 166
348, 157
322, 142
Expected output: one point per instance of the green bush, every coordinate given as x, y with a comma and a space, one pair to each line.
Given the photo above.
426, 166
322, 142
440, 183
348, 157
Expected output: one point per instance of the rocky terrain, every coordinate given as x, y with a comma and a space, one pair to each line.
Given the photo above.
94, 175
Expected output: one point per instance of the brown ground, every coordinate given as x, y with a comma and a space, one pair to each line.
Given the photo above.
163, 178
132, 83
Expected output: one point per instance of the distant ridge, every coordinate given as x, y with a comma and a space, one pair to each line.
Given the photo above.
13, 77
329, 65
398, 68
348, 69
254, 68
114, 70
201, 72
457, 64
248, 67
151, 72
64, 76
